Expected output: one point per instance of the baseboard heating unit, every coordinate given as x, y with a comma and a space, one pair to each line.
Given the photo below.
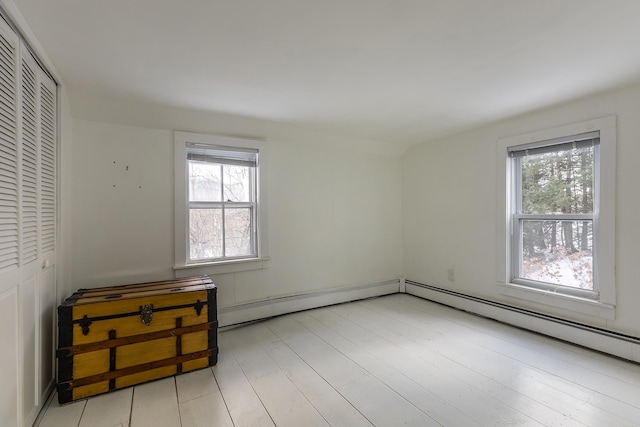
616, 344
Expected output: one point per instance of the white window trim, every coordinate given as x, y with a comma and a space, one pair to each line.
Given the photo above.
604, 215
181, 204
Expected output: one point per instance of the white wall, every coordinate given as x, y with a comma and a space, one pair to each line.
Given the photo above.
334, 217
449, 205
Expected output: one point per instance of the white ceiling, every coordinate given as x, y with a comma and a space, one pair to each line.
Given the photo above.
400, 71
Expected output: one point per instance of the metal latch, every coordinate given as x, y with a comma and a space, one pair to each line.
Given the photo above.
146, 314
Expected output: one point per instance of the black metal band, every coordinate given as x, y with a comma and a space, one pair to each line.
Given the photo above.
195, 305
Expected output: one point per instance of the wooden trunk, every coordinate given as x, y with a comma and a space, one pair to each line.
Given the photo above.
118, 336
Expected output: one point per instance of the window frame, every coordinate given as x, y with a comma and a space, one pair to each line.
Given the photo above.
601, 302
184, 141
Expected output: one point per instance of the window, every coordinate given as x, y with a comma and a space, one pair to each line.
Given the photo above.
553, 214
556, 217
222, 202
218, 206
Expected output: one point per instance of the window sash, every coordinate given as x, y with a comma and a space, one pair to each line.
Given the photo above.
223, 206
517, 256
252, 181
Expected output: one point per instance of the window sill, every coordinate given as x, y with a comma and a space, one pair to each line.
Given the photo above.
222, 267
567, 302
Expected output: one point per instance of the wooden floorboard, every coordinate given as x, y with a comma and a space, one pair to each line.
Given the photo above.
395, 360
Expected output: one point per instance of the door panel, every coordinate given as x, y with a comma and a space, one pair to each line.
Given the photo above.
9, 374
29, 332
47, 328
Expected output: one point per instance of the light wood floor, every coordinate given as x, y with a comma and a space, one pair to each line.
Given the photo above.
390, 361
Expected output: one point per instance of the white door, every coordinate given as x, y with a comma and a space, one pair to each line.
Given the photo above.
47, 135
27, 231
10, 273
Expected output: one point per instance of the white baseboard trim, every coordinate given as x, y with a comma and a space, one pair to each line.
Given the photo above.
234, 315
620, 345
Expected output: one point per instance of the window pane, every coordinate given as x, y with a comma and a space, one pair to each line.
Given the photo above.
205, 183
558, 182
237, 183
238, 239
558, 252
205, 233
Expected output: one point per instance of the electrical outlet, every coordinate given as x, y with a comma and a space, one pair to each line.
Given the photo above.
451, 275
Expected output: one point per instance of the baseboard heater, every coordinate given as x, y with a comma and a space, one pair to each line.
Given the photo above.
600, 339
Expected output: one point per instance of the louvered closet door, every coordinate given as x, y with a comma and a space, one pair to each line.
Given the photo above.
8, 153
47, 135
10, 374
27, 231
29, 162
37, 134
